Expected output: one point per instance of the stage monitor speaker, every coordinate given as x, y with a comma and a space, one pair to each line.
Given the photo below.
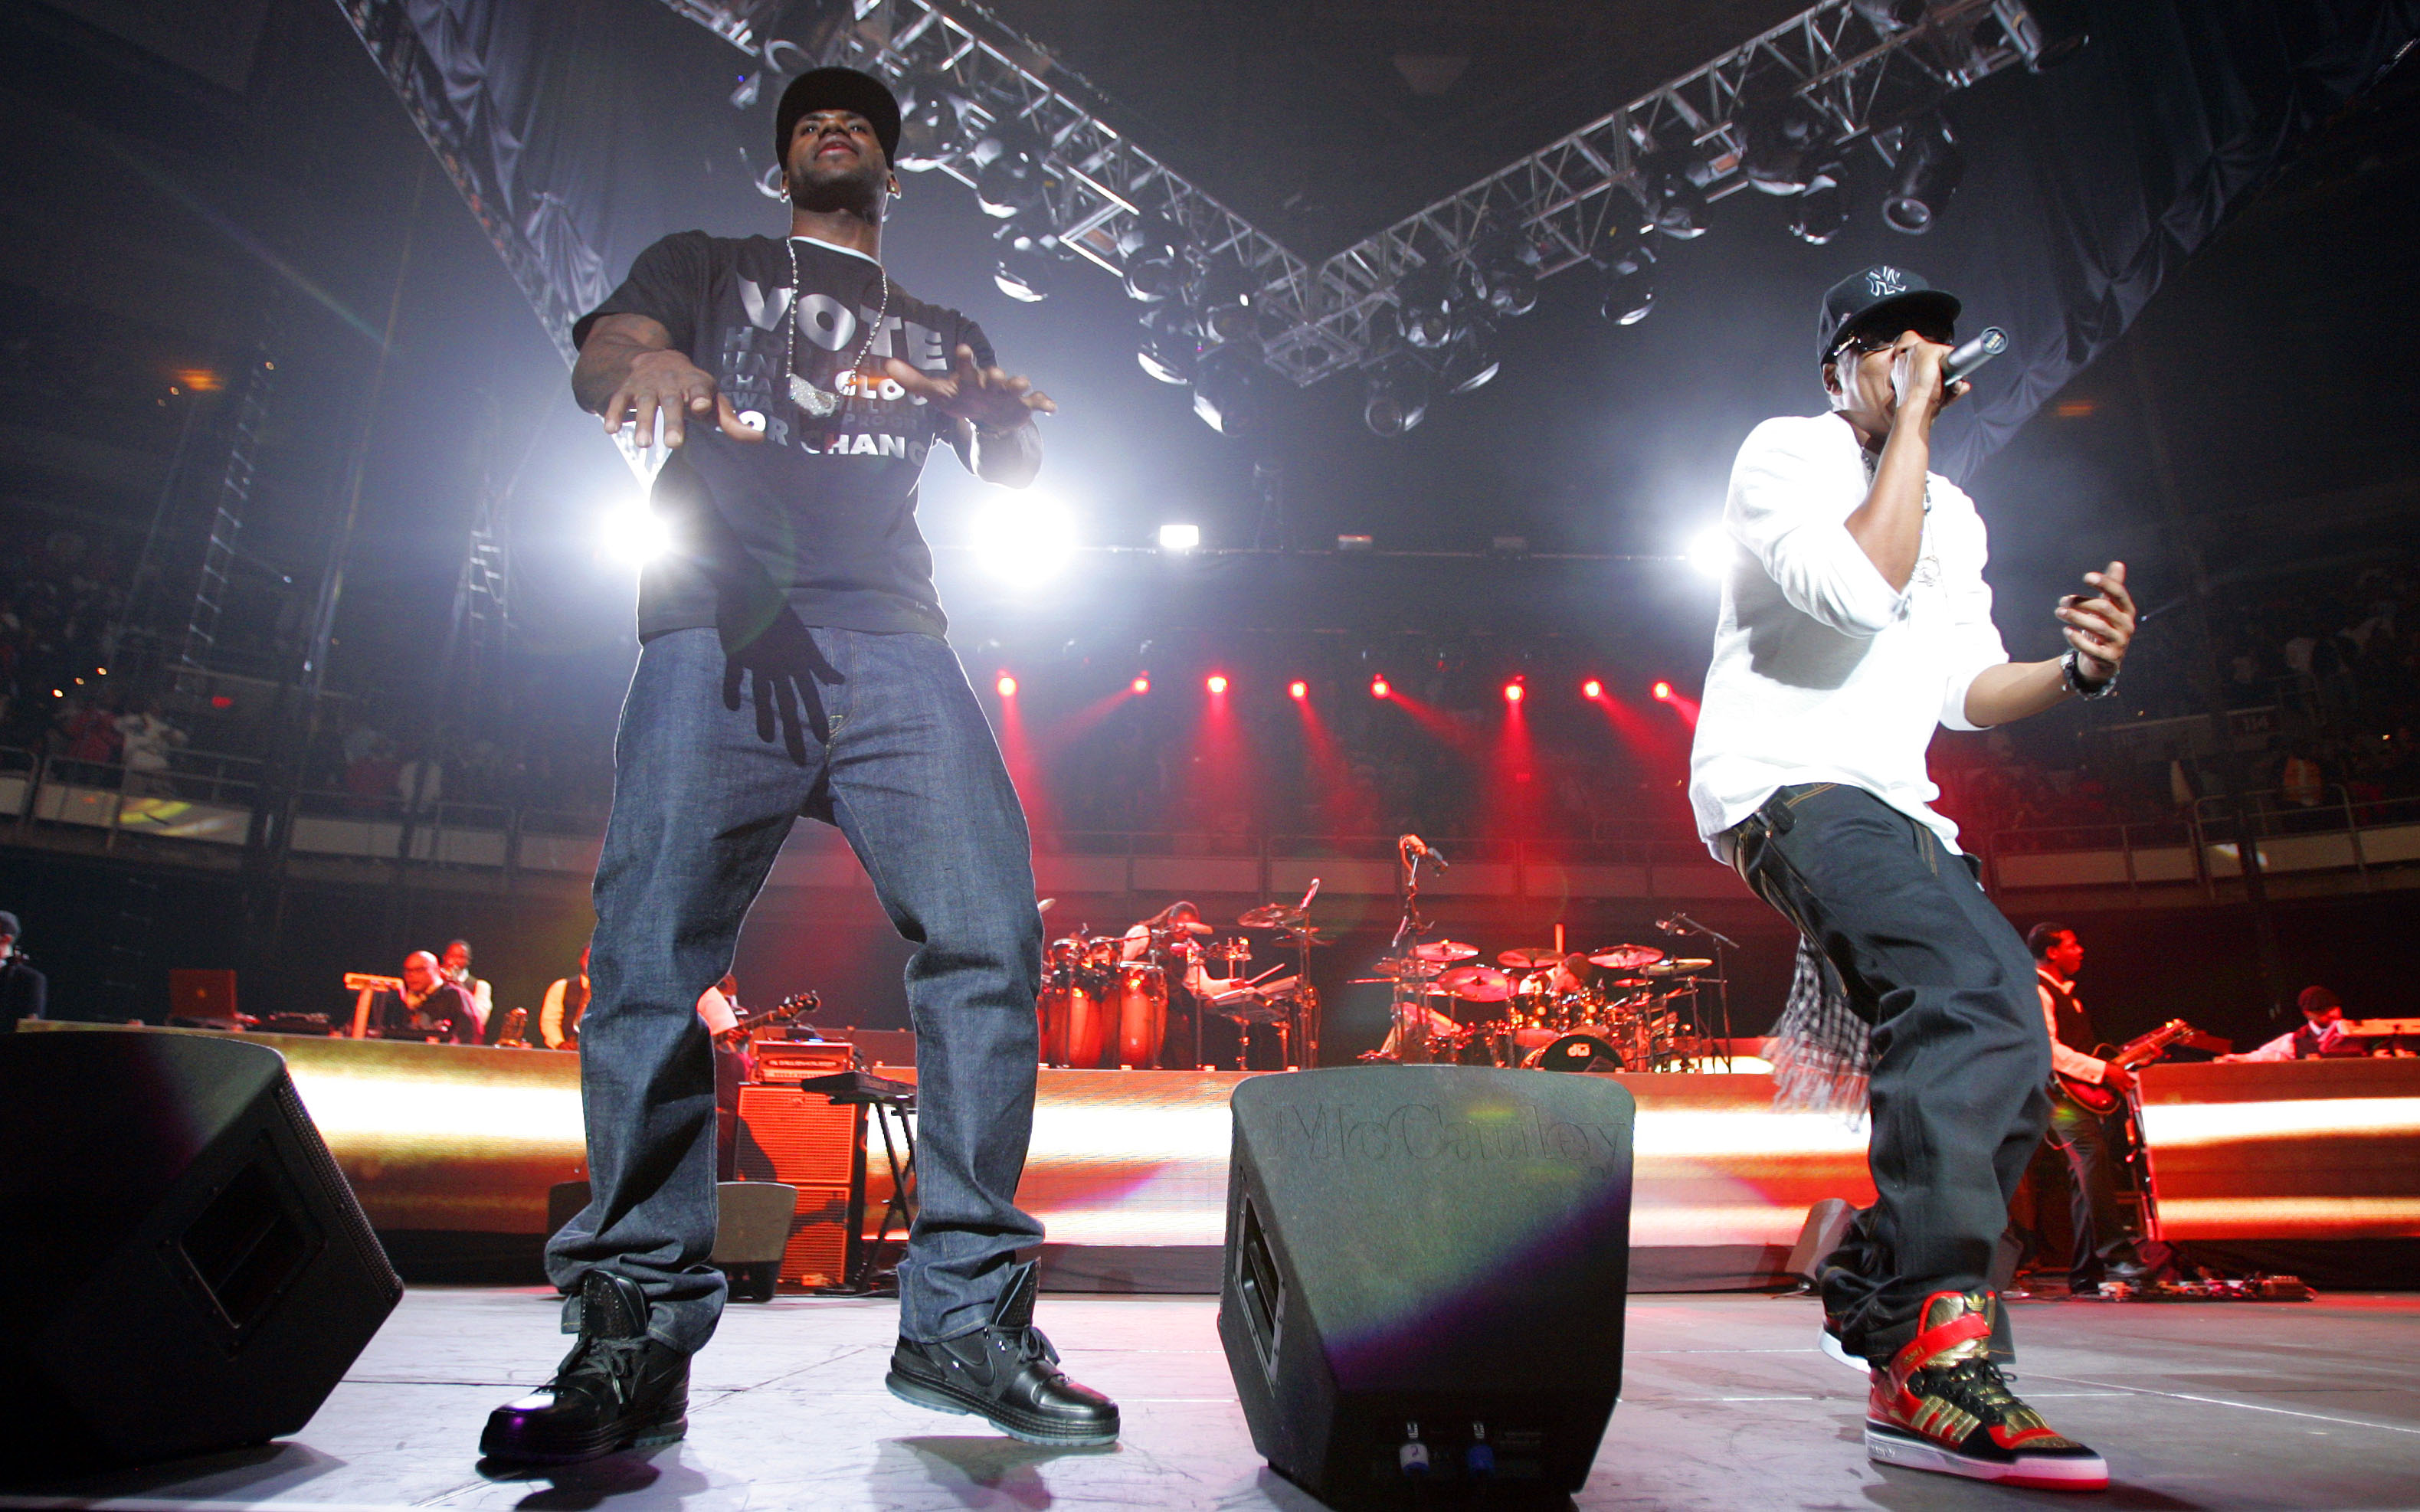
1425, 1275
1827, 1224
188, 1271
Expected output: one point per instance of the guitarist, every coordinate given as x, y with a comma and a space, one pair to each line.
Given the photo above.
2104, 1250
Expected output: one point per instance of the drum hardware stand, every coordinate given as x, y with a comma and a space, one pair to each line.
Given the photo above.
1411, 1019
889, 1100
1682, 924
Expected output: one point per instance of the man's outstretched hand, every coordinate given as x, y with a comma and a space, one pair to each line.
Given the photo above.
667, 386
2099, 625
991, 399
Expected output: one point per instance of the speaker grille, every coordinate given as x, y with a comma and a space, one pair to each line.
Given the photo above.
1260, 1286
802, 1139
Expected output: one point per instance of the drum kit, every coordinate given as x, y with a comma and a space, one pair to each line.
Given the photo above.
1109, 992
1620, 1007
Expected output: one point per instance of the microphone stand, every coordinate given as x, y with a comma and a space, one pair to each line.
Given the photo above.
1410, 927
1722, 971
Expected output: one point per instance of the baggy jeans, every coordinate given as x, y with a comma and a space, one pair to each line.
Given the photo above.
1960, 1054
716, 758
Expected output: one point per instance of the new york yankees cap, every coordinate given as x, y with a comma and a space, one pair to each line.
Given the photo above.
1879, 294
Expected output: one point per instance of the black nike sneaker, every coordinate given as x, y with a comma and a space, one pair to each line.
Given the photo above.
1006, 1373
617, 1389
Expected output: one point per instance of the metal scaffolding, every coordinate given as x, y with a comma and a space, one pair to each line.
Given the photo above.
1854, 65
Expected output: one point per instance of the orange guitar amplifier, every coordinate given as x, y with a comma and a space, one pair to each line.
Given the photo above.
802, 1139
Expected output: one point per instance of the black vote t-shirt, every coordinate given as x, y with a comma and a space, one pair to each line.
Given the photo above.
822, 514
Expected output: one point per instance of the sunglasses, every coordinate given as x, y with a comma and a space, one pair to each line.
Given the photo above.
1876, 341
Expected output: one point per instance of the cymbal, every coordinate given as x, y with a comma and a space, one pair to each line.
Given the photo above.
1273, 916
1626, 957
1683, 965
1527, 960
1478, 984
1406, 968
1445, 950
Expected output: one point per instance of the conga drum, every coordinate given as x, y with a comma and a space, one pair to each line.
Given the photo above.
1075, 1023
1139, 1006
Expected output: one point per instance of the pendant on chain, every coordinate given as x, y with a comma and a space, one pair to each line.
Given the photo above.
813, 400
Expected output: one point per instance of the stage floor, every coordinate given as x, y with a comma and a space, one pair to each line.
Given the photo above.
1726, 1406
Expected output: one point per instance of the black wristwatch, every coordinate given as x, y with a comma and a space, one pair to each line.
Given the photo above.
2071, 669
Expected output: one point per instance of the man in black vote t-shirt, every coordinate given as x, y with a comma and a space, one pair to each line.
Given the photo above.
791, 663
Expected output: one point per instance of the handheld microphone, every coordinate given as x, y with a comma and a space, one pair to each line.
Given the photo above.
1421, 847
1305, 905
1962, 363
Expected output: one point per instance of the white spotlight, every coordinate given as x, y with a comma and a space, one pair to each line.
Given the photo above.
631, 534
1179, 537
1710, 552
1023, 539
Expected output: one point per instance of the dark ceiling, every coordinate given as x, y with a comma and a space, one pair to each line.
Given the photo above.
1308, 116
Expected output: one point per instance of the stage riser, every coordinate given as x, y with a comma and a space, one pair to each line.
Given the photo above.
466, 1140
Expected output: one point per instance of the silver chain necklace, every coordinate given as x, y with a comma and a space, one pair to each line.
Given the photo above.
818, 402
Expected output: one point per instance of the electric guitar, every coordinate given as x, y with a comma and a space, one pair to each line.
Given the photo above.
2142, 1050
788, 1011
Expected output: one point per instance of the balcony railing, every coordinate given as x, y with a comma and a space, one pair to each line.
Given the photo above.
2338, 833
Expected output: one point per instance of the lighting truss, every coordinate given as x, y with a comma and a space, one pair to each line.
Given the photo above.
1859, 72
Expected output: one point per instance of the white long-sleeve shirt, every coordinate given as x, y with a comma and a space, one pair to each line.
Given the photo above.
1823, 672
2064, 1059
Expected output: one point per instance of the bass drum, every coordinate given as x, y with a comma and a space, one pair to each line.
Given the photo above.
1138, 1006
1076, 1021
1576, 1052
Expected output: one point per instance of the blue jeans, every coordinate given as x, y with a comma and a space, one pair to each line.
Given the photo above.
716, 756
1960, 1052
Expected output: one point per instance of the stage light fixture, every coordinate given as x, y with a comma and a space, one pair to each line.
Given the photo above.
1179, 537
1005, 685
1629, 265
1929, 166
1140, 686
1662, 692
1215, 683
1822, 210
930, 130
1379, 688
1515, 692
1025, 271
632, 534
1152, 270
1298, 690
1169, 351
1424, 306
1783, 137
1229, 387
1471, 364
1504, 269
1024, 539
1230, 302
1710, 552
1011, 180
1398, 399
1592, 689
1673, 184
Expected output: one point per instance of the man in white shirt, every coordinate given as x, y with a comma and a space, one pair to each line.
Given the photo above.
2321, 1034
1855, 619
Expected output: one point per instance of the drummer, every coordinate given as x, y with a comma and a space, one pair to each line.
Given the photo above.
1166, 939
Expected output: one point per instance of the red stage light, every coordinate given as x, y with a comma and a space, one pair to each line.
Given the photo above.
1592, 689
1008, 685
1663, 692
1215, 683
1514, 692
1141, 684
1298, 689
1378, 688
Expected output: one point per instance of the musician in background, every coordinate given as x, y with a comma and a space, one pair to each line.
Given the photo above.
456, 964
1178, 928
2321, 1035
24, 991
719, 1008
558, 1017
428, 1009
2104, 1250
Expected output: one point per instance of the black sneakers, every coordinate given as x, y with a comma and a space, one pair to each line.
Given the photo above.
617, 1389
1007, 1374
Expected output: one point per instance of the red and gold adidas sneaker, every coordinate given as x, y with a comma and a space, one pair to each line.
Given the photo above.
1942, 1404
